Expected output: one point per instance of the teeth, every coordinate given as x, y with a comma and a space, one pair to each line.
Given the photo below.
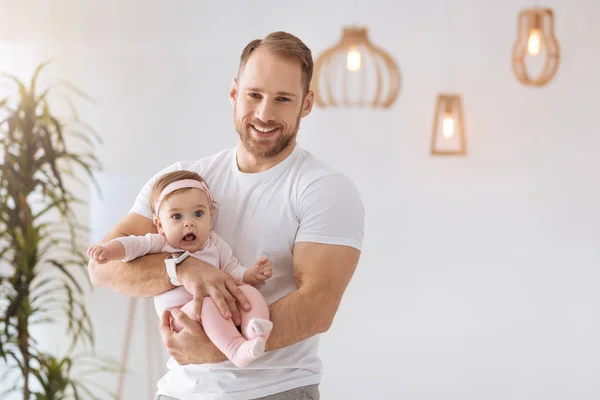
263, 130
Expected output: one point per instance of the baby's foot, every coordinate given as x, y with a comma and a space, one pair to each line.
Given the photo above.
258, 347
248, 351
259, 327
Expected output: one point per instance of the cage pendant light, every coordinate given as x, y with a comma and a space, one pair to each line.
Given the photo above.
536, 44
355, 72
448, 136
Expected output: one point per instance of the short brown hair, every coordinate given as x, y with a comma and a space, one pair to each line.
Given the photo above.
168, 178
287, 46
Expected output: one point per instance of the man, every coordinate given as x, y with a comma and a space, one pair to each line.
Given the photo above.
276, 200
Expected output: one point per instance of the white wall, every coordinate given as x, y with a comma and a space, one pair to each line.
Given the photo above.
478, 275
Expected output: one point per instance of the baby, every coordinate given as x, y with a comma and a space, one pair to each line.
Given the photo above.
182, 206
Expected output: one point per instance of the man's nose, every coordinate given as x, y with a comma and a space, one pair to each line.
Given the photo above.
265, 112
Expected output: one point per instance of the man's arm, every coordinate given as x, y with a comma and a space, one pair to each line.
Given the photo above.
146, 276
142, 277
322, 274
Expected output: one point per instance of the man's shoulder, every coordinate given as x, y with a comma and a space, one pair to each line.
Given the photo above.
310, 168
328, 195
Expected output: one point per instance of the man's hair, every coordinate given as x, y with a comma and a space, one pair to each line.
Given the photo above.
168, 178
286, 46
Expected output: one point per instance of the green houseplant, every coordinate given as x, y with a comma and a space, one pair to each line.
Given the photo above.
41, 262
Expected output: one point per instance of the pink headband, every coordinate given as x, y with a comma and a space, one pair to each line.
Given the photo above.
181, 184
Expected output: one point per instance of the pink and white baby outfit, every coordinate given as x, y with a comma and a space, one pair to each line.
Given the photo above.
242, 348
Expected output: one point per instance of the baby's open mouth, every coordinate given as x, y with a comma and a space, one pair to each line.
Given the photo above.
190, 237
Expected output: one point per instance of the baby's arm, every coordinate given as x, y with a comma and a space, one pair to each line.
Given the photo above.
111, 251
137, 246
259, 272
127, 248
227, 261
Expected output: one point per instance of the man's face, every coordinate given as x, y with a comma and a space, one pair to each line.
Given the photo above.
268, 103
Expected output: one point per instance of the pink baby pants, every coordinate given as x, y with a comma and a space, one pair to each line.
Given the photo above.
242, 348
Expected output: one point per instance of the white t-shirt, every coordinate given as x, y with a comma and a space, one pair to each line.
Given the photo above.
301, 199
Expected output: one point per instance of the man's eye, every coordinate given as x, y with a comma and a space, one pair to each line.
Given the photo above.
283, 99
254, 95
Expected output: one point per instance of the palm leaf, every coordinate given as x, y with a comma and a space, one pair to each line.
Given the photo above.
36, 74
36, 163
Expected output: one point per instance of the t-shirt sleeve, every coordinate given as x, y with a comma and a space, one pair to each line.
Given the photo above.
142, 201
331, 212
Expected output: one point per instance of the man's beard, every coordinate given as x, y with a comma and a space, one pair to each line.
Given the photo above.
283, 140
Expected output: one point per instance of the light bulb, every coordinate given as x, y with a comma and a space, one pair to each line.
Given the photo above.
533, 44
448, 125
353, 60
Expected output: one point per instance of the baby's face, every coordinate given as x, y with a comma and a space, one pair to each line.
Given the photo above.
185, 219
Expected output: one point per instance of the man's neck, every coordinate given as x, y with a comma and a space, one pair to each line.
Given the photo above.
250, 164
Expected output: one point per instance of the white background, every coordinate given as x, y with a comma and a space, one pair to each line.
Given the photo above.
479, 275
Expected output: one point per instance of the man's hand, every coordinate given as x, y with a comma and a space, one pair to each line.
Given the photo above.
202, 280
191, 345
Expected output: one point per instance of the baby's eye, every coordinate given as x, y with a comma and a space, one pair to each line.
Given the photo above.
176, 216
198, 214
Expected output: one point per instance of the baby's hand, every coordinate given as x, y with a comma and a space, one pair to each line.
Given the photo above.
264, 268
259, 272
98, 253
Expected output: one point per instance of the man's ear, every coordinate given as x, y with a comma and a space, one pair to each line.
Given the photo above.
307, 104
233, 92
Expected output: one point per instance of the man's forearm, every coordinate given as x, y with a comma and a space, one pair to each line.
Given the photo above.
300, 315
143, 277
